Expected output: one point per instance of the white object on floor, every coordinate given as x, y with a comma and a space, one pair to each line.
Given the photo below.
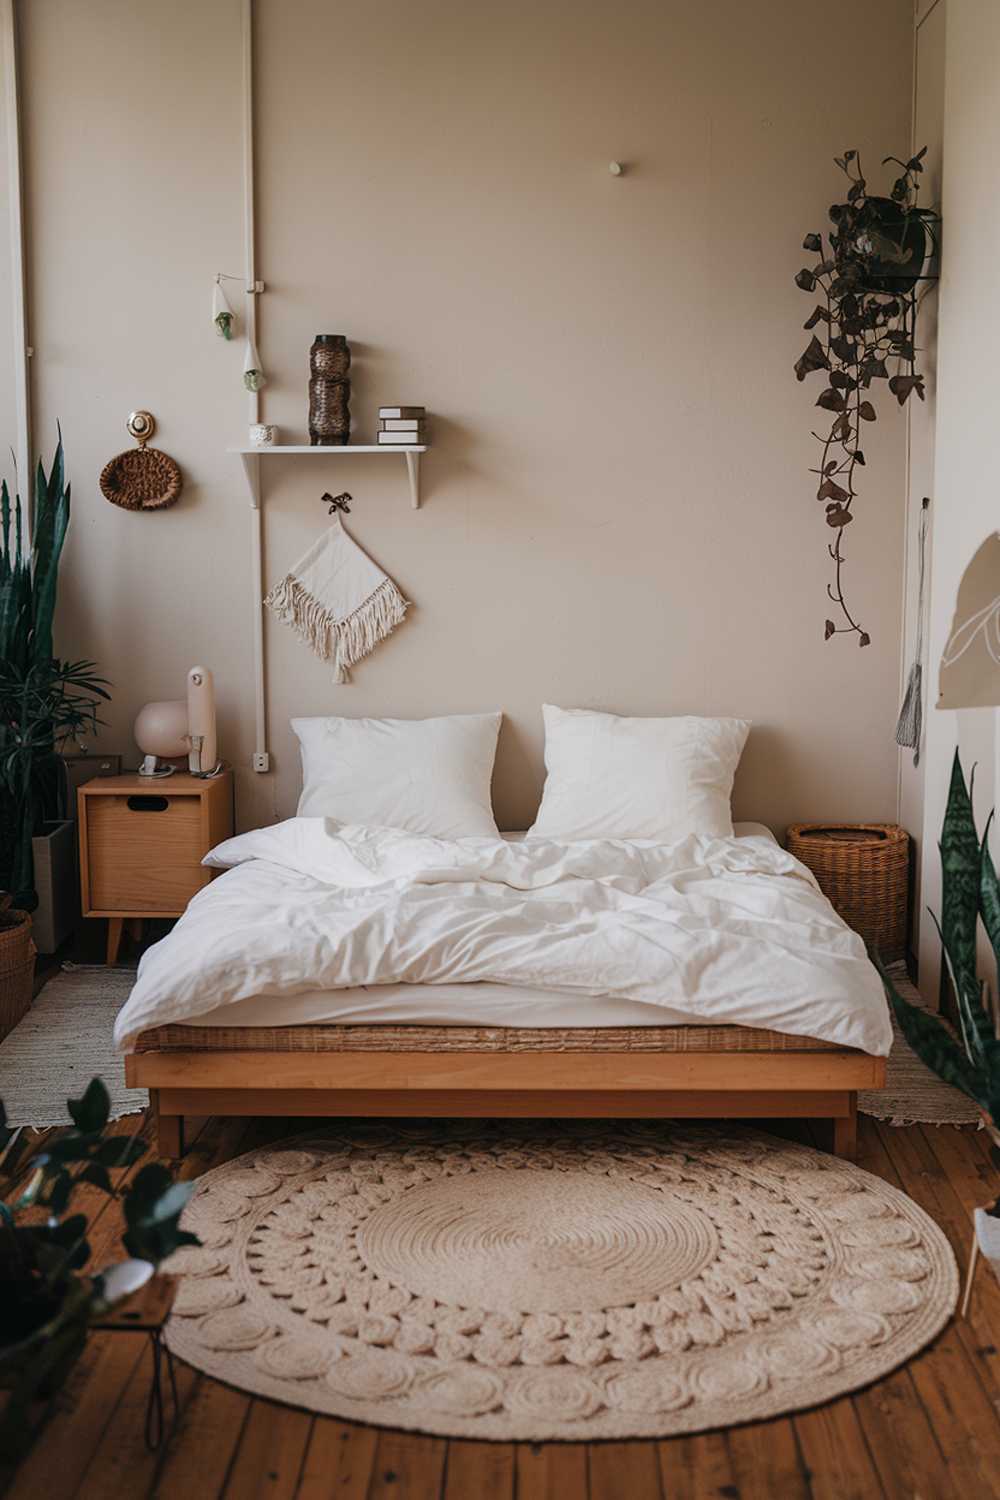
985, 1241
338, 601
425, 775
723, 930
609, 777
63, 1042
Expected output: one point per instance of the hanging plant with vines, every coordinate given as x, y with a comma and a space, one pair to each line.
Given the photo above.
863, 330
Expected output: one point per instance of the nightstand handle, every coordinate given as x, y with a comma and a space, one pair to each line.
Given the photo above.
148, 804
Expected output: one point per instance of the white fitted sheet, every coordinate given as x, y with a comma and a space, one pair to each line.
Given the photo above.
452, 1004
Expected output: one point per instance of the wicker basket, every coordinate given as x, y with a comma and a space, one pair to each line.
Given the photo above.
141, 479
17, 966
864, 870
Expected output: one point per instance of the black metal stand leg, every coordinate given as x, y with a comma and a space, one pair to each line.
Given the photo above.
160, 1352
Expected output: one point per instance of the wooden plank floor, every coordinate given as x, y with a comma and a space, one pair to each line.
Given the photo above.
929, 1431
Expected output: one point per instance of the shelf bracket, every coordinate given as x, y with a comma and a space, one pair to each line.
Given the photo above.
413, 469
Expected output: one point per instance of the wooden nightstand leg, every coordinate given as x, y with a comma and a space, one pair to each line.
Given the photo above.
845, 1132
115, 925
136, 927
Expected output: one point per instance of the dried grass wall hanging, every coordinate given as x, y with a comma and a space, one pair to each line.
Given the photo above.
141, 478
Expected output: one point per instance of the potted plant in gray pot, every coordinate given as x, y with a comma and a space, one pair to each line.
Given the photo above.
970, 894
43, 702
49, 1292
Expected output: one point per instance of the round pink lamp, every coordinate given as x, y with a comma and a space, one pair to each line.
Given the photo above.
161, 732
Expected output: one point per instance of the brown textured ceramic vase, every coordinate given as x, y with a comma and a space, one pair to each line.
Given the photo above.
329, 390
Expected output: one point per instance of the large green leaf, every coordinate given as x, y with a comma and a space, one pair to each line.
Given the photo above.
977, 1029
989, 892
960, 867
6, 561
935, 1046
51, 521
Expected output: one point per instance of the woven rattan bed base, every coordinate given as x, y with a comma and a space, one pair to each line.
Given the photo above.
177, 1038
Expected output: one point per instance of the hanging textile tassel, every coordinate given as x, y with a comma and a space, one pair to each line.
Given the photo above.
338, 601
911, 715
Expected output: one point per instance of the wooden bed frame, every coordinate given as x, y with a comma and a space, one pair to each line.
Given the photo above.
586, 1083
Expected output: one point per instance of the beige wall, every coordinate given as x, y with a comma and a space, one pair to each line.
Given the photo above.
617, 511
967, 503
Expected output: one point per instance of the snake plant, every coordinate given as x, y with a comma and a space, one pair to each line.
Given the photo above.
970, 894
43, 700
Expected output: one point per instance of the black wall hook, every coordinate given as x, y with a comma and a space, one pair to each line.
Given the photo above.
339, 502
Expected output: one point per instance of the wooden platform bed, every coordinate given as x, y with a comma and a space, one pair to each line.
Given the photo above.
668, 1072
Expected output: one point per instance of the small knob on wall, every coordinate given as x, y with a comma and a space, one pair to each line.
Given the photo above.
141, 425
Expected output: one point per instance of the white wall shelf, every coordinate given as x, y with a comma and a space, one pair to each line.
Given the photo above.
410, 451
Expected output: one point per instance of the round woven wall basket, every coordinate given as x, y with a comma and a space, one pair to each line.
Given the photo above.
17, 966
141, 479
864, 870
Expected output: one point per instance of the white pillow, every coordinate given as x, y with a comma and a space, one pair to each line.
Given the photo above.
614, 778
425, 775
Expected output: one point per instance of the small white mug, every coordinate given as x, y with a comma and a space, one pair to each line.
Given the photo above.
263, 435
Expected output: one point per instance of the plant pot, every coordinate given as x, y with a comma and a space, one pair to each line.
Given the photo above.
17, 967
54, 854
34, 1368
988, 1238
905, 234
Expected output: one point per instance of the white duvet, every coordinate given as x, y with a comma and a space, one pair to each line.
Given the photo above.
719, 930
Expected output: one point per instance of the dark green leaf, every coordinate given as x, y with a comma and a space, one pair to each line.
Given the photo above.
146, 1188
805, 280
98, 1175
812, 358
960, 879
58, 1192
812, 242
989, 892
935, 1045
830, 490
866, 412
90, 1113
903, 385
831, 400
120, 1151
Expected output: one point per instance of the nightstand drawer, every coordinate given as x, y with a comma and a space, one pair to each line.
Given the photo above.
144, 852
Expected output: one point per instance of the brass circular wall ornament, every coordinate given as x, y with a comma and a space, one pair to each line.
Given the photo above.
142, 478
142, 425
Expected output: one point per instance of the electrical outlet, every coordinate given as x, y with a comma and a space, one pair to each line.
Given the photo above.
261, 761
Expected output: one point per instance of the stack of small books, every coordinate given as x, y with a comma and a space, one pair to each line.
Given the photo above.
402, 424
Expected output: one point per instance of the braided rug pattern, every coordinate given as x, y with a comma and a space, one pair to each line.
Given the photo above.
560, 1281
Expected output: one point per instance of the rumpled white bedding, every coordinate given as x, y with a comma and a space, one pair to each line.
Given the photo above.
720, 930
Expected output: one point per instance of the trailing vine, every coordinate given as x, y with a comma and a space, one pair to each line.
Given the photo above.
867, 275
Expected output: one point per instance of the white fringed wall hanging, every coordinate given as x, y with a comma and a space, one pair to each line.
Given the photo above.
338, 601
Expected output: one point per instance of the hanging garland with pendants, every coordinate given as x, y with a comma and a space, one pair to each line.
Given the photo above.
863, 330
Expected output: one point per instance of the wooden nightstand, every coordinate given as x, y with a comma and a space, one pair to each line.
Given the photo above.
142, 842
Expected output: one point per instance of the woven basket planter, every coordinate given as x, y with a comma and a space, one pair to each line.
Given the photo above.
17, 967
141, 479
864, 870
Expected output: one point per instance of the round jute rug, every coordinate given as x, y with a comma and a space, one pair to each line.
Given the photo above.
554, 1282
